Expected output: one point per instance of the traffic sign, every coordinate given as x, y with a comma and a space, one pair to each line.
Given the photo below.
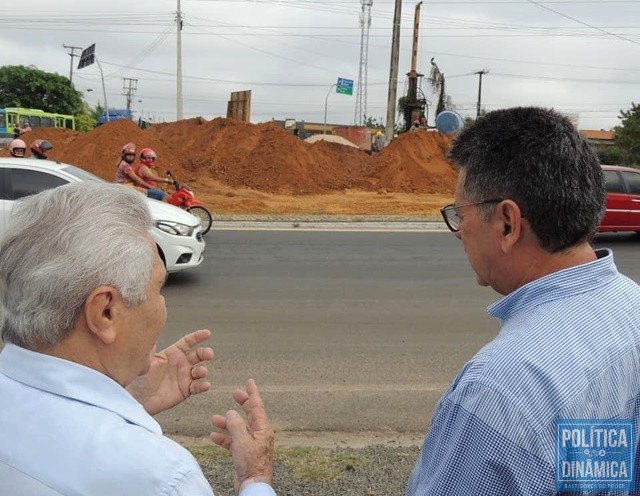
87, 57
344, 86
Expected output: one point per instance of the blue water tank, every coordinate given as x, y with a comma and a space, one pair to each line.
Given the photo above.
449, 122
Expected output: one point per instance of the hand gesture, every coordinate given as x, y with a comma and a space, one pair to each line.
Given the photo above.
251, 443
176, 373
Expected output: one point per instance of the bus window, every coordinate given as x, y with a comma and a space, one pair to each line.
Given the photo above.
69, 123
47, 122
26, 122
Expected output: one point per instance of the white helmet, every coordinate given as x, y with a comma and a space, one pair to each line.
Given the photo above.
18, 148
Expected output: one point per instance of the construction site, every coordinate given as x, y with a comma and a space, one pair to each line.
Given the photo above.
261, 169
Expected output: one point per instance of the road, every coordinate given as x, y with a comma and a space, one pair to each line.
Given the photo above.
343, 331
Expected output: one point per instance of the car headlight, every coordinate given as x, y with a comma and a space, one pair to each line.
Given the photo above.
174, 228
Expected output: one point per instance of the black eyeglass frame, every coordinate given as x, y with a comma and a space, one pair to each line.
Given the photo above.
444, 211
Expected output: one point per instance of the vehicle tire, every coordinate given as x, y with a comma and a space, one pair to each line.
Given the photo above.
204, 216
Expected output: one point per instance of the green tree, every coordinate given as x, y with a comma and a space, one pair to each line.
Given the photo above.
97, 112
611, 155
468, 120
627, 135
29, 87
402, 106
86, 120
373, 123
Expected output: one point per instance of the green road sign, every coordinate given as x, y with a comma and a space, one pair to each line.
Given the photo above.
344, 86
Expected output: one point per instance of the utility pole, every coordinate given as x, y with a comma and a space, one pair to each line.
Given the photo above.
480, 73
72, 54
179, 113
393, 73
130, 86
412, 106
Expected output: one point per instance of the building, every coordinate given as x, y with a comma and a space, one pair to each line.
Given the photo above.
598, 139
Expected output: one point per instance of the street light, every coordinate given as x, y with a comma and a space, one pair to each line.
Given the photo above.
326, 100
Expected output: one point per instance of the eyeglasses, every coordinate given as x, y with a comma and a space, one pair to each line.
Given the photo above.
153, 159
450, 213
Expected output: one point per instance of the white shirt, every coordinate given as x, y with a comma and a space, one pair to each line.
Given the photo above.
68, 429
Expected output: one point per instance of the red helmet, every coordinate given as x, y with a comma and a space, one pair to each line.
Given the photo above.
15, 146
40, 147
147, 156
128, 149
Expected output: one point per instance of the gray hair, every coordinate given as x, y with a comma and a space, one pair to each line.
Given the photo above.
62, 244
537, 158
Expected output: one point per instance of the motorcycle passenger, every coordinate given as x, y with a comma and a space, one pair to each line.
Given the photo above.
18, 148
145, 169
39, 149
126, 175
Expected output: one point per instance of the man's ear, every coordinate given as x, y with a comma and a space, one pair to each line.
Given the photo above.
509, 217
101, 310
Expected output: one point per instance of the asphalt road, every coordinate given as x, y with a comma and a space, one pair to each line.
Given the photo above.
343, 331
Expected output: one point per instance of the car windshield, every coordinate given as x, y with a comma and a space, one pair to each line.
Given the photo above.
81, 174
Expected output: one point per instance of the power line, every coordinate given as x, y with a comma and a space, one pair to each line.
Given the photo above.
583, 23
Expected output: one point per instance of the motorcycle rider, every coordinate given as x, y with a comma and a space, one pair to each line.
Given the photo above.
126, 175
18, 148
39, 149
145, 168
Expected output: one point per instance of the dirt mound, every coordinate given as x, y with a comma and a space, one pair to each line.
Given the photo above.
262, 157
416, 162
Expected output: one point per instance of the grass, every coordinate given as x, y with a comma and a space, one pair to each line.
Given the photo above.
306, 463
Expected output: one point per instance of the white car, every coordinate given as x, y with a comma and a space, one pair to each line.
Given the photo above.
176, 232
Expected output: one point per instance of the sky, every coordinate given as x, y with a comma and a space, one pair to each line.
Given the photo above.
581, 57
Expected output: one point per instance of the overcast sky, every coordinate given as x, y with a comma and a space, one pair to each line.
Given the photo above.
581, 57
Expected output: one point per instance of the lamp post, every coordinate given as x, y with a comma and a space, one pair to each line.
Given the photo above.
326, 101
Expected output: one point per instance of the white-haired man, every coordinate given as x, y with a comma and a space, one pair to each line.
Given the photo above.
81, 310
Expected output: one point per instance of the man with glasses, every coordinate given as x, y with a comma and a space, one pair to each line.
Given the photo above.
529, 198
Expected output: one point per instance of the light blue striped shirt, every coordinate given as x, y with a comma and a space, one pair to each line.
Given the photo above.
68, 429
568, 347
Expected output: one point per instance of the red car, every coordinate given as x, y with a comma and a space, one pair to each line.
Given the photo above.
623, 199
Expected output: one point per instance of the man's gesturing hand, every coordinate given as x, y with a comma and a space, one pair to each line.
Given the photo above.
250, 443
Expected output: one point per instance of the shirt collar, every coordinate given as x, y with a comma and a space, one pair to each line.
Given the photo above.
74, 381
566, 282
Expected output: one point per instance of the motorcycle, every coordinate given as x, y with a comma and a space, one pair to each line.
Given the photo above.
184, 198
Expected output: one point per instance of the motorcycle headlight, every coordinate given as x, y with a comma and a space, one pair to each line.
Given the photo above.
174, 228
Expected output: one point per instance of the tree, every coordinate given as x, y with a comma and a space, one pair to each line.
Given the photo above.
402, 106
437, 82
29, 87
96, 112
86, 120
468, 120
611, 155
627, 135
373, 123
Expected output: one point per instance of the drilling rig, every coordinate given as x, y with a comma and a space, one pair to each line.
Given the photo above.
414, 106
